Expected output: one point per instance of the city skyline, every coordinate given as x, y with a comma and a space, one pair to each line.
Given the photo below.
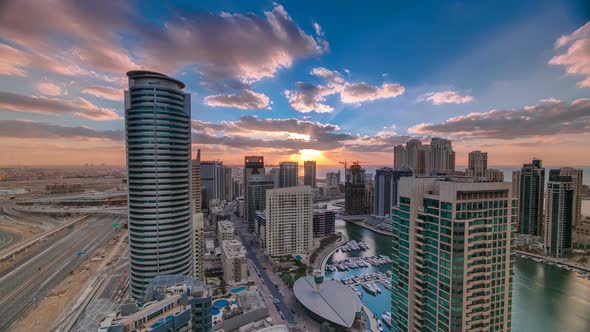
319, 92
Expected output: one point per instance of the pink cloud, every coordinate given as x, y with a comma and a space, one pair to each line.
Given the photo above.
576, 58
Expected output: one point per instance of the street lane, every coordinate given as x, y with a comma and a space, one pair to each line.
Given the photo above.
241, 227
23, 287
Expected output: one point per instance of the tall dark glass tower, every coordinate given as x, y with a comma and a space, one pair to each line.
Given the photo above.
158, 138
530, 186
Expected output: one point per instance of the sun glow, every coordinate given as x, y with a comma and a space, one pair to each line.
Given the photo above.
309, 154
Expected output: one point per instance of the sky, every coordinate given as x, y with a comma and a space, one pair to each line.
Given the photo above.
298, 80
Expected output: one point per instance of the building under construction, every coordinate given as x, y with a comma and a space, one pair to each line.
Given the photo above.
355, 202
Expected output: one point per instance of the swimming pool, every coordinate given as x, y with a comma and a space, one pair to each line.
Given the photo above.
215, 311
237, 290
220, 304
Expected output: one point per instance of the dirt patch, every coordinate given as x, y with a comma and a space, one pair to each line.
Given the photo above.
26, 232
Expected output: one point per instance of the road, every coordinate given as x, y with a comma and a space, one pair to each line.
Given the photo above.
242, 229
8, 239
23, 287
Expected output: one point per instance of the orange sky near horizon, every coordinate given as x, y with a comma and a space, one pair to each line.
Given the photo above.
37, 152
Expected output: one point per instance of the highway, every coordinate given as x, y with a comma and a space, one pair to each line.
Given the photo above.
241, 228
24, 286
8, 239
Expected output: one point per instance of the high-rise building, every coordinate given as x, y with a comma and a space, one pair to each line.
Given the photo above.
288, 174
354, 199
212, 180
452, 249
199, 246
197, 201
442, 156
530, 181
478, 167
436, 158
577, 177
369, 197
333, 179
258, 184
274, 172
324, 222
383, 191
228, 188
309, 174
158, 141
559, 214
252, 165
289, 221
398, 174
478, 161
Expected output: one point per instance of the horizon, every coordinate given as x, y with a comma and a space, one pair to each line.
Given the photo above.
323, 90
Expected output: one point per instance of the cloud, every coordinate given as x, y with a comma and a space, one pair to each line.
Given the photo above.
246, 47
445, 97
105, 92
246, 100
363, 92
550, 117
78, 107
50, 89
309, 97
29, 129
576, 58
288, 135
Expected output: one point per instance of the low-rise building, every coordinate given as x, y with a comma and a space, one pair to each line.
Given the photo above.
225, 230
233, 259
171, 303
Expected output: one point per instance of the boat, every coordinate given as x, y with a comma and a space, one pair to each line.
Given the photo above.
369, 289
386, 318
379, 325
377, 289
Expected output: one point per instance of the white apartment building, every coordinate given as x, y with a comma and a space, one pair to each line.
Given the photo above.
289, 221
233, 260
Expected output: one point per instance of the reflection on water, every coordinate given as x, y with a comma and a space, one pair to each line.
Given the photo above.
545, 298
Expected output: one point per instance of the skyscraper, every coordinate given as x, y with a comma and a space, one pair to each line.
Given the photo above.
289, 221
530, 181
383, 191
252, 165
478, 161
398, 174
309, 174
333, 179
196, 183
228, 188
197, 219
212, 180
421, 159
288, 174
452, 256
559, 214
478, 167
158, 141
577, 177
442, 157
258, 184
354, 199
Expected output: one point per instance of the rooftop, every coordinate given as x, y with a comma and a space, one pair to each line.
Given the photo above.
335, 302
233, 248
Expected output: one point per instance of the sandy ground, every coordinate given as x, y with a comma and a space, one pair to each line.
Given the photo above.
26, 232
42, 316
